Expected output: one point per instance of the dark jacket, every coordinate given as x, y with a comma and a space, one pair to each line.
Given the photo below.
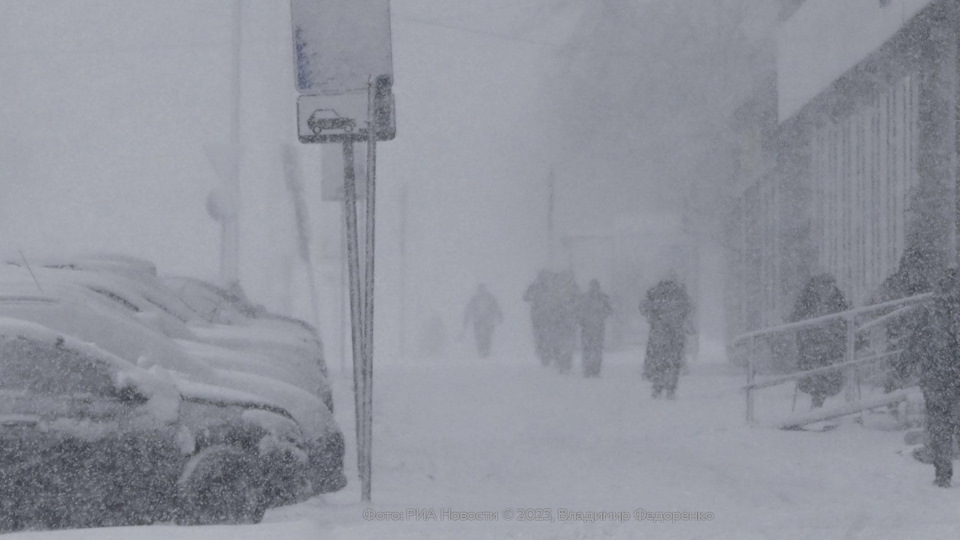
667, 308
593, 310
825, 343
910, 279
933, 349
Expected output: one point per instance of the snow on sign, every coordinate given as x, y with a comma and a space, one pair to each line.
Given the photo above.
340, 44
340, 48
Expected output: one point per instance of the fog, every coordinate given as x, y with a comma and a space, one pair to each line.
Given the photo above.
109, 110
719, 167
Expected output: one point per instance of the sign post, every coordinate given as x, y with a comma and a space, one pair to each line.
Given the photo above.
344, 69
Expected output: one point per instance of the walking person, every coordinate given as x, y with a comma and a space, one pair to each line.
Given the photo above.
823, 344
562, 319
593, 310
933, 347
483, 311
912, 277
667, 308
537, 295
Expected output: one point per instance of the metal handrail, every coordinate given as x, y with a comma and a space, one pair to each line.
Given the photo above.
872, 359
851, 362
832, 316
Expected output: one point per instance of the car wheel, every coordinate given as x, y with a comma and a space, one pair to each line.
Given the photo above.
220, 485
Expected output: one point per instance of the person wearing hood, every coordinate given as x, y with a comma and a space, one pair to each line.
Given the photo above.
822, 344
933, 348
667, 308
483, 312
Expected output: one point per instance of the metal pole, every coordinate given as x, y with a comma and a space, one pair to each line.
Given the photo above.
403, 272
750, 380
343, 295
796, 389
230, 247
551, 188
369, 245
353, 262
849, 355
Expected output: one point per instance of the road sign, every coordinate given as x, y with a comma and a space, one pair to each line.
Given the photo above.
344, 70
339, 44
331, 118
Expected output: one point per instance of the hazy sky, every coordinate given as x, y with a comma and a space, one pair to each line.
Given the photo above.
107, 106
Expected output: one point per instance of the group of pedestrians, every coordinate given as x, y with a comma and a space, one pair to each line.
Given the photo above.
555, 314
558, 310
930, 337
560, 313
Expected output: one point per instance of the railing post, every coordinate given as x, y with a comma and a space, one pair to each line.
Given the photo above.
750, 379
849, 356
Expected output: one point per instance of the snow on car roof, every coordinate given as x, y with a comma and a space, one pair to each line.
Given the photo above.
191, 287
278, 336
73, 310
245, 361
138, 288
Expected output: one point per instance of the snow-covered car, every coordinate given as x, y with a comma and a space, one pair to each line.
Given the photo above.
295, 351
89, 439
231, 306
76, 311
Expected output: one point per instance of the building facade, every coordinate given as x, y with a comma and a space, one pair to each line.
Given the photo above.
861, 158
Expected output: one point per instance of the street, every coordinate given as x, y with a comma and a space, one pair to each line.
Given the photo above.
465, 448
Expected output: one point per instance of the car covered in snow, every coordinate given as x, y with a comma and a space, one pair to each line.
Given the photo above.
86, 315
291, 349
88, 439
231, 306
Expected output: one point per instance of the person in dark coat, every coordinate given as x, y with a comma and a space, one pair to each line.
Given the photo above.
483, 311
823, 344
562, 319
537, 295
933, 347
593, 311
666, 307
911, 278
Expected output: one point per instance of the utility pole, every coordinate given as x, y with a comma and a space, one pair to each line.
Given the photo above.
223, 203
230, 228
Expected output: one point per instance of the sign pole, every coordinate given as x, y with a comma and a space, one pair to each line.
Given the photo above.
356, 301
339, 46
369, 267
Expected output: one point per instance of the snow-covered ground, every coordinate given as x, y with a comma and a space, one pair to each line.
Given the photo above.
506, 439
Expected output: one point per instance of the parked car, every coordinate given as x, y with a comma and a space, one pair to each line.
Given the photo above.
231, 306
88, 439
77, 311
297, 353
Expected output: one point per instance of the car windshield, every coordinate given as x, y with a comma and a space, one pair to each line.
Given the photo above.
50, 368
